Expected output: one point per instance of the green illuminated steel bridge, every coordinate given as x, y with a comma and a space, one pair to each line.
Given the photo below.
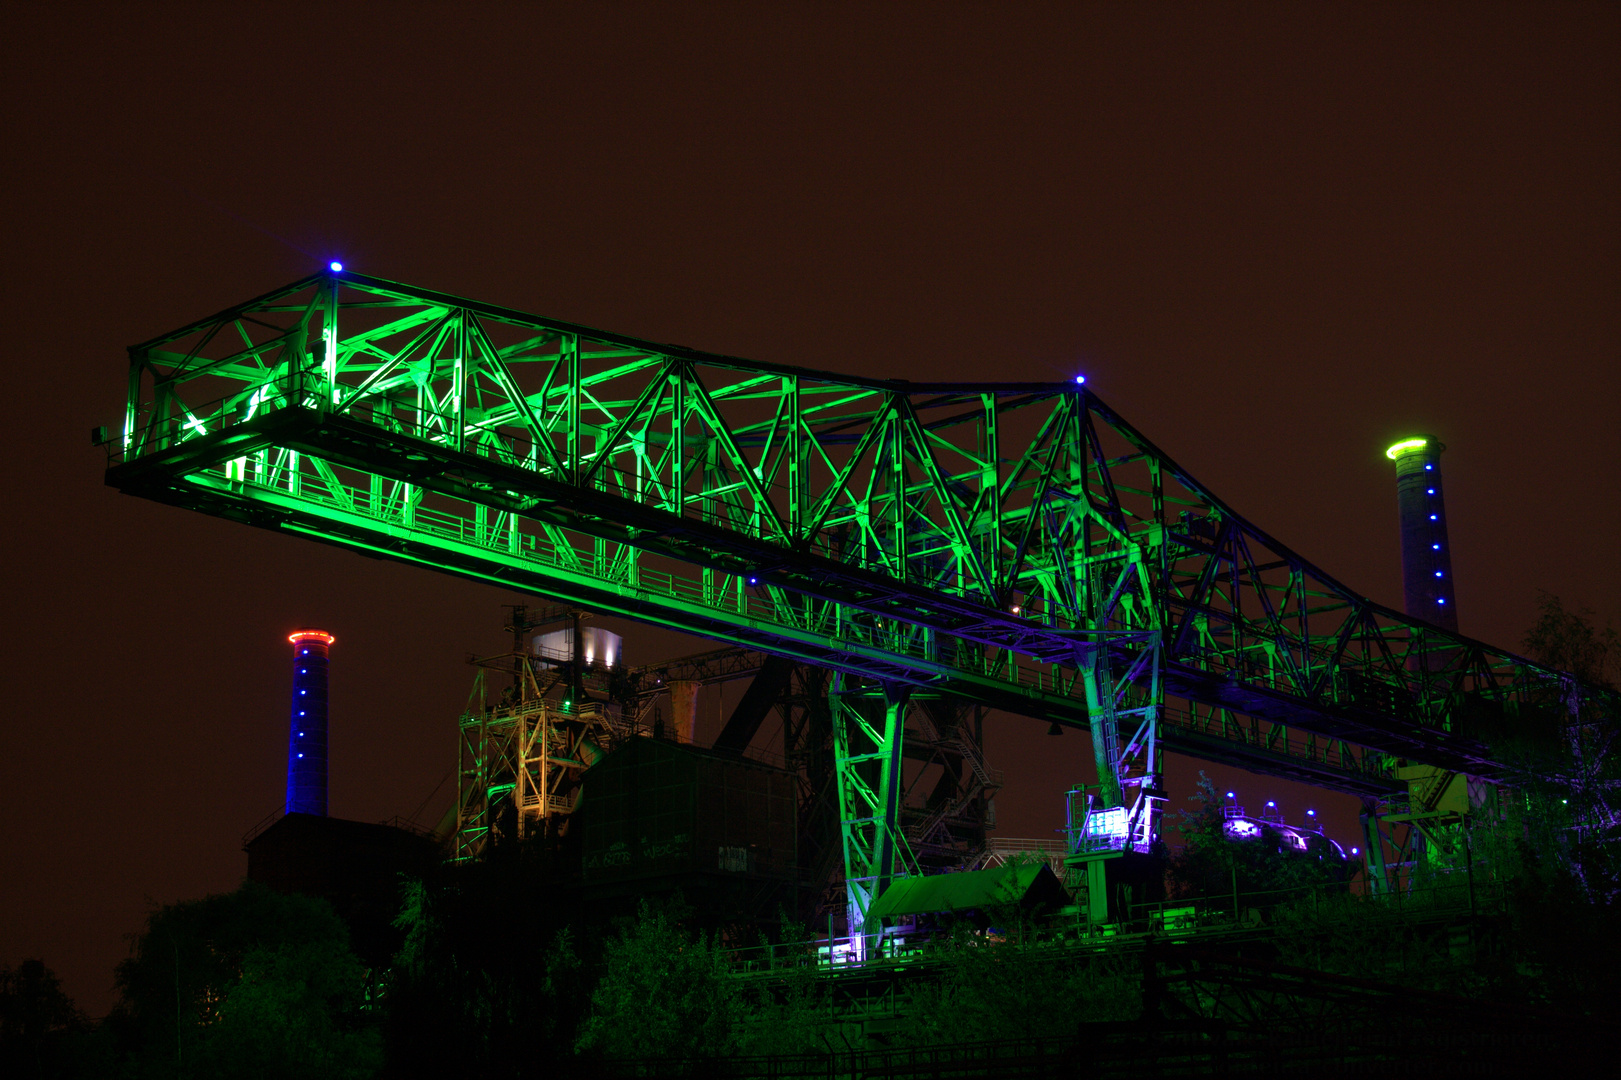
1017, 545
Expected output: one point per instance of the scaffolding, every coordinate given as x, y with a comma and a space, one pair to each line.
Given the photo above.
522, 758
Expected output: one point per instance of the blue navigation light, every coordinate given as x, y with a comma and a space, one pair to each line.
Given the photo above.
1231, 795
1433, 517
301, 755
1435, 547
754, 581
1431, 491
1440, 599
336, 266
1438, 573
1355, 851
1270, 803
1311, 813
1079, 379
1427, 468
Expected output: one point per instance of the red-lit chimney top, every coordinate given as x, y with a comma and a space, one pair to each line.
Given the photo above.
311, 635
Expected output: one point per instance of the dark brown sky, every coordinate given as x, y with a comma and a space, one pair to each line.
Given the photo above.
1274, 237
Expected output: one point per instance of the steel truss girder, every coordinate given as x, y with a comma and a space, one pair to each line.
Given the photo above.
966, 537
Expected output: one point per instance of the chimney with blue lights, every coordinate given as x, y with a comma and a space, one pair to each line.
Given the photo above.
1426, 556
306, 743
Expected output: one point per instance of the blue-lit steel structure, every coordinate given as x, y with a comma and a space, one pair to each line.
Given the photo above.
307, 734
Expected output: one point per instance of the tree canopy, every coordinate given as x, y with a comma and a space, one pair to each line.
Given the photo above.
251, 983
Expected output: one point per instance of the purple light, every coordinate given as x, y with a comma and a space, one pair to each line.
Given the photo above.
336, 266
1231, 795
1270, 803
1355, 851
1311, 813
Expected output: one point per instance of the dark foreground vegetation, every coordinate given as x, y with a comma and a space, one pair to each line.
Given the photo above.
496, 978
1256, 962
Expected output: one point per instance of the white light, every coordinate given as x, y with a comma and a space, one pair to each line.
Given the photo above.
336, 266
1079, 379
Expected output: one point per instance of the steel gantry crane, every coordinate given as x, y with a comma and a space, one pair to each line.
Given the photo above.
1015, 545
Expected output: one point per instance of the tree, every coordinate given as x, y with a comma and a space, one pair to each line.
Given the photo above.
36, 1019
1568, 641
251, 983
663, 993
1573, 818
489, 979
1210, 863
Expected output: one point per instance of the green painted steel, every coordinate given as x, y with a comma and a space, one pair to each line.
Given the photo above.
868, 726
1018, 545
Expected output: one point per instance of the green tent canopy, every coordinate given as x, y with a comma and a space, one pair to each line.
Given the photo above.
1025, 885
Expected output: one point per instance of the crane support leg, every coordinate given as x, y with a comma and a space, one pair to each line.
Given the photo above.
868, 725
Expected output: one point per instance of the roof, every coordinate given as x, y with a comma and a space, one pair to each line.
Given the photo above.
1011, 883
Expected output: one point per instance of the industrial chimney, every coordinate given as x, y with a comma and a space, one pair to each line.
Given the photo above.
306, 743
1426, 556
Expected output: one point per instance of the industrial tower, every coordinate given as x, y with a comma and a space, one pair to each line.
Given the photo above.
307, 731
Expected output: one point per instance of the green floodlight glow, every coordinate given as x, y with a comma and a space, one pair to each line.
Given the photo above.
538, 455
1405, 444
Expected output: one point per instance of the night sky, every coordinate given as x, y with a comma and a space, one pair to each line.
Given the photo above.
1276, 238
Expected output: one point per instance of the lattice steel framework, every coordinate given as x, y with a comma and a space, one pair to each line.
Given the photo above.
1017, 545
520, 758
